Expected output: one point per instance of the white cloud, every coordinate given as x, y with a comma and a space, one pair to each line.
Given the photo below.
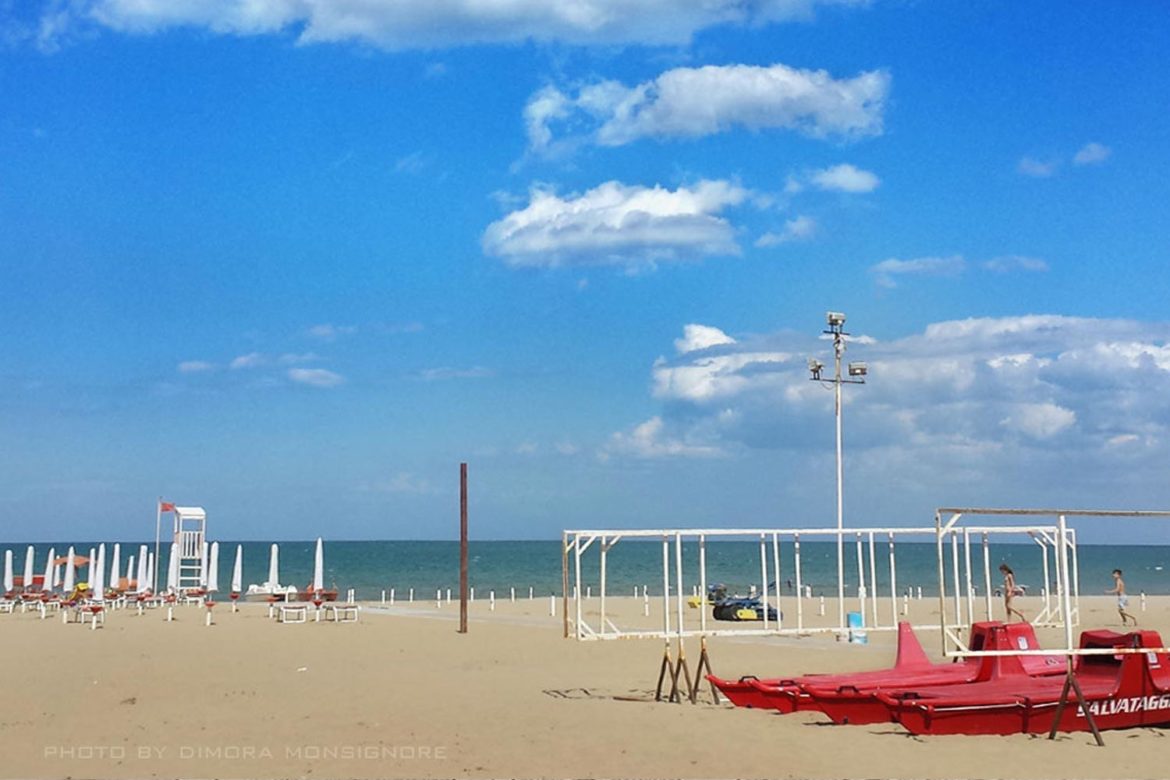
617, 224
1009, 263
251, 360
1040, 421
648, 440
1091, 154
407, 24
696, 337
329, 332
799, 228
696, 102
567, 448
845, 178
1040, 169
1022, 410
315, 377
195, 367
887, 271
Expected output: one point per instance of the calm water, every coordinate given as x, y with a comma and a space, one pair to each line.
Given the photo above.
373, 566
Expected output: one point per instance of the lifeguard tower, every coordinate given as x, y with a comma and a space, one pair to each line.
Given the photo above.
190, 533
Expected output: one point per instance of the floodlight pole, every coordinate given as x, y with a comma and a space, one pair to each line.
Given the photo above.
836, 322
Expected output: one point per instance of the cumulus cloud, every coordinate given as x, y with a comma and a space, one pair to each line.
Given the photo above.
315, 377
1092, 153
887, 271
845, 178
618, 224
1039, 169
250, 360
1010, 263
696, 102
1026, 409
799, 228
696, 337
407, 24
650, 440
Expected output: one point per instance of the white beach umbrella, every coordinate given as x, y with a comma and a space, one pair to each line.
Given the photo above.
56, 576
203, 568
274, 567
47, 585
142, 577
26, 582
9, 580
89, 575
116, 566
151, 584
67, 586
98, 583
173, 569
131, 571
238, 570
212, 583
319, 567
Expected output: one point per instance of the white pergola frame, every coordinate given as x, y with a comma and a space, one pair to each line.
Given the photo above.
576, 542
1066, 612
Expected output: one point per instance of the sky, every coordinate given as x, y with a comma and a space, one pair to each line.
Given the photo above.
295, 260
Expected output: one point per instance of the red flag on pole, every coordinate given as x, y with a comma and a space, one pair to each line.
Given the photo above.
163, 506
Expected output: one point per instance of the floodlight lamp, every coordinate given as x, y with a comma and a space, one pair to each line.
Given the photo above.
858, 369
815, 366
835, 319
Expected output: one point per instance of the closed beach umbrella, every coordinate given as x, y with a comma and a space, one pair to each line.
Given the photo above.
319, 567
130, 571
9, 580
116, 566
173, 570
203, 568
47, 585
27, 581
274, 567
238, 570
98, 573
212, 584
151, 584
142, 576
69, 573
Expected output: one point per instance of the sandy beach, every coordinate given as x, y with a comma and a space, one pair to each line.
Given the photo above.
401, 694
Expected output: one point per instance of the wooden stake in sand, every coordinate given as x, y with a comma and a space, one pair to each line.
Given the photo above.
463, 548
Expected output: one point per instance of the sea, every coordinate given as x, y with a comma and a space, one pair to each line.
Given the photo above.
374, 567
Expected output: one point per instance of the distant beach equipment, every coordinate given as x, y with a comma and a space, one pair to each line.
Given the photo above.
319, 569
173, 569
116, 567
70, 572
237, 576
47, 584
143, 576
212, 584
9, 580
27, 580
98, 579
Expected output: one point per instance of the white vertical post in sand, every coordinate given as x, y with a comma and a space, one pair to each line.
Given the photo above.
799, 590
970, 584
531, 593
410, 596
776, 573
861, 591
1045, 591
665, 587
512, 595
577, 585
471, 597
873, 586
987, 573
678, 585
438, 598
604, 554
552, 605
1076, 575
955, 572
703, 585
764, 578
894, 586
1062, 572
491, 601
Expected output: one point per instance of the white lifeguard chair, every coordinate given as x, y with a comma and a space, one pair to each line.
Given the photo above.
190, 534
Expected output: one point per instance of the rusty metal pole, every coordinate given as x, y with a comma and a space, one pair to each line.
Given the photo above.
462, 548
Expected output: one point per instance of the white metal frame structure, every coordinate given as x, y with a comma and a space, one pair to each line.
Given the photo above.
575, 543
190, 537
1065, 612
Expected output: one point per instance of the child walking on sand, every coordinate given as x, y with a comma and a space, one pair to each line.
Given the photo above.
1009, 592
1122, 599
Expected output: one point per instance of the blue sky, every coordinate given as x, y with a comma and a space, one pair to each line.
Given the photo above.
294, 261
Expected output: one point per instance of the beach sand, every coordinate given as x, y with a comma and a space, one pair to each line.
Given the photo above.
401, 694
